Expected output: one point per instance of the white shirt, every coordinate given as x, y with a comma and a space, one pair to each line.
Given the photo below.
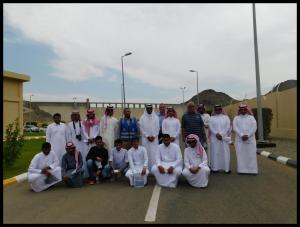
94, 131
137, 157
244, 125
205, 118
71, 132
56, 133
40, 161
192, 158
149, 125
169, 154
171, 126
219, 124
120, 156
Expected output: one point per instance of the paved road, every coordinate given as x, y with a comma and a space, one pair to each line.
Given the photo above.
269, 197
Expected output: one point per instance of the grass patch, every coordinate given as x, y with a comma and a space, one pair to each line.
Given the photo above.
30, 148
34, 134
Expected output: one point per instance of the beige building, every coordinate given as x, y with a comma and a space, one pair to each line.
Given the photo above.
13, 97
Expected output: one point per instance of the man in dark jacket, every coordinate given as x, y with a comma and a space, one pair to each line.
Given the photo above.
96, 160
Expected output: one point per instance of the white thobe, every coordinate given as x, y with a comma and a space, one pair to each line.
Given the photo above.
245, 150
110, 133
149, 126
219, 149
94, 131
205, 117
192, 159
138, 159
39, 162
171, 126
56, 135
71, 136
166, 157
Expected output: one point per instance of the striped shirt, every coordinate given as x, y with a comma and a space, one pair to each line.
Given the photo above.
192, 123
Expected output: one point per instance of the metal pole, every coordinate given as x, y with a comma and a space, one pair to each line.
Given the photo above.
122, 95
258, 92
30, 109
197, 90
182, 89
123, 82
277, 104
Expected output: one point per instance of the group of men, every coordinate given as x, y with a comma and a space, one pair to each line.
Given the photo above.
108, 148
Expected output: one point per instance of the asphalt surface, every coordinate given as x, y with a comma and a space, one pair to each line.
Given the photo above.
269, 197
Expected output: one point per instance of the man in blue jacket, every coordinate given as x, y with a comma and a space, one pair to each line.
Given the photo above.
128, 128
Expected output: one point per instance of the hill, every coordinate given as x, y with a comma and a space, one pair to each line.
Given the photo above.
211, 97
35, 113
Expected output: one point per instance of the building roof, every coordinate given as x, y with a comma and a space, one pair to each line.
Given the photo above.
17, 76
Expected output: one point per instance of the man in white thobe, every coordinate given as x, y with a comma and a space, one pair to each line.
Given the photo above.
196, 170
168, 165
244, 126
56, 135
138, 162
75, 132
220, 129
44, 170
205, 117
149, 127
109, 128
171, 125
91, 129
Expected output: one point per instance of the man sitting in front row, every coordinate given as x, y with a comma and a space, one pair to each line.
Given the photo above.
44, 170
118, 161
96, 160
71, 167
168, 165
138, 162
196, 170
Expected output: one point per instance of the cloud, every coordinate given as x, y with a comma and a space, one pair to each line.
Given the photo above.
167, 40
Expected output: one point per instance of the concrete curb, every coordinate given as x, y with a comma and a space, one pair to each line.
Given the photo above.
31, 138
278, 158
17, 179
34, 137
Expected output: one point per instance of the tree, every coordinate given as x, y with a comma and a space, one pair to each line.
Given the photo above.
14, 142
267, 120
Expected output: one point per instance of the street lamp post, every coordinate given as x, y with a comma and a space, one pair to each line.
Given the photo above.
74, 98
197, 85
182, 89
30, 107
258, 89
122, 96
124, 100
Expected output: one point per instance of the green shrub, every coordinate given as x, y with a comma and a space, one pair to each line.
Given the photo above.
13, 144
209, 111
267, 120
44, 125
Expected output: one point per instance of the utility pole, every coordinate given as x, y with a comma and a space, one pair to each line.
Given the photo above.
258, 89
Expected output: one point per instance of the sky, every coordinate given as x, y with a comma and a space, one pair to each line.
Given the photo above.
74, 50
